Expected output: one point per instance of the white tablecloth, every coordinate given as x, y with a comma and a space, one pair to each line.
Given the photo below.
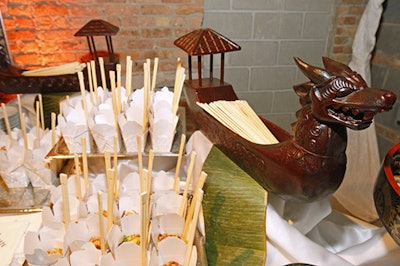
314, 233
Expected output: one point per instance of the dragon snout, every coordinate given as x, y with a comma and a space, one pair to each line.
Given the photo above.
388, 100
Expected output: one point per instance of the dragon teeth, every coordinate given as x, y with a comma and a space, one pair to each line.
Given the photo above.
355, 111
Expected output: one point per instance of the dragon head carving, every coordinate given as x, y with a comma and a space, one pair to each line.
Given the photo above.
339, 95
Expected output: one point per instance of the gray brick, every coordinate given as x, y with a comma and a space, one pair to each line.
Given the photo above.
278, 25
384, 145
282, 120
217, 5
258, 4
309, 5
266, 25
378, 76
255, 53
385, 40
309, 51
261, 102
316, 25
237, 77
231, 25
391, 12
272, 78
285, 102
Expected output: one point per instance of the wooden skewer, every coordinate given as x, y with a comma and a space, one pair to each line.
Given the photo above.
23, 127
103, 73
259, 123
119, 100
190, 214
240, 118
150, 170
19, 109
115, 164
41, 111
94, 77
78, 177
128, 78
193, 226
110, 197
143, 227
180, 78
178, 66
85, 164
90, 79
146, 87
6, 121
83, 93
107, 161
187, 184
37, 121
178, 163
65, 200
140, 163
112, 80
155, 69
101, 225
148, 185
53, 129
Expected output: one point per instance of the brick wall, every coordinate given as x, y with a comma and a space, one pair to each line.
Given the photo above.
41, 33
345, 18
385, 73
271, 33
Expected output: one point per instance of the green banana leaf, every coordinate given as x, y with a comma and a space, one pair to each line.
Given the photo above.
234, 212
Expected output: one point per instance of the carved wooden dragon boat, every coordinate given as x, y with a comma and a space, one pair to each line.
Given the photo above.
310, 164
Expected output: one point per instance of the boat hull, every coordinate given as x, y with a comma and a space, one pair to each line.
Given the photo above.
280, 168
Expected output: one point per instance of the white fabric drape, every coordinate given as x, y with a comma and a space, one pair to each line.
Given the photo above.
316, 234
362, 152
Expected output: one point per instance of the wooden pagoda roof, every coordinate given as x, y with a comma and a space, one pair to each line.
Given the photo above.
204, 42
97, 27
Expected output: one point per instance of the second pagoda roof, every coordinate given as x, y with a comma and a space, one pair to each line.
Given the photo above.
97, 27
205, 41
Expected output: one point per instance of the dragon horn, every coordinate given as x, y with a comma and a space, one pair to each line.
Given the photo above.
315, 74
335, 67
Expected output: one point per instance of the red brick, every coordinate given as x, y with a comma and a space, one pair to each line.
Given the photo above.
187, 10
155, 9
45, 22
346, 31
61, 22
49, 10
10, 24
146, 21
87, 12
121, 9
26, 35
353, 2
176, 1
140, 44
32, 59
19, 10
24, 23
74, 2
128, 34
28, 47
55, 35
156, 33
341, 40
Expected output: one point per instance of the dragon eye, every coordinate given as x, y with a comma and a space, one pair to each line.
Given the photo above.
343, 92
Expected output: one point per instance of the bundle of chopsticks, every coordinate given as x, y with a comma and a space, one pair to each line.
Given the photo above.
239, 117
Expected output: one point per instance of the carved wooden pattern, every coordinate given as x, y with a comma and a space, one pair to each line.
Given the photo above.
309, 165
